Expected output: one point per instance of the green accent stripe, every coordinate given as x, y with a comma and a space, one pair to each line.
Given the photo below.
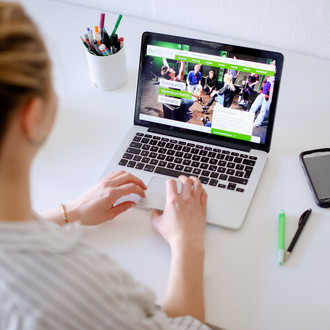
231, 134
175, 93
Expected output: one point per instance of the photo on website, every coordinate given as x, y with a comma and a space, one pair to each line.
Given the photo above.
220, 93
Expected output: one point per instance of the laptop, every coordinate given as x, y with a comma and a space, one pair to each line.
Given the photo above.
205, 109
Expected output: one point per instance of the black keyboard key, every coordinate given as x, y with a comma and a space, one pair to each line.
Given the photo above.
205, 159
196, 171
162, 163
135, 145
204, 180
249, 162
211, 154
235, 154
161, 156
205, 173
223, 177
188, 169
148, 136
178, 160
139, 166
133, 150
155, 137
153, 161
222, 163
248, 169
226, 152
145, 140
195, 164
169, 145
161, 144
231, 165
204, 166
144, 153
170, 152
220, 156
196, 157
229, 158
212, 168
213, 182
145, 160
165, 139
170, 165
188, 156
131, 164
238, 180
230, 171
183, 143
137, 158
162, 150
190, 145
153, 142
154, 149
128, 156
139, 134
239, 167
137, 139
194, 151
247, 175
243, 155
208, 148
238, 160
214, 175
203, 152
145, 147
221, 185
167, 171
213, 161
149, 168
186, 162
169, 158
186, 149
240, 189
240, 174
123, 162
253, 157
177, 147
231, 186
179, 154
153, 155
179, 167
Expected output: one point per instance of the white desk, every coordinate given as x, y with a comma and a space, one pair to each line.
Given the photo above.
244, 286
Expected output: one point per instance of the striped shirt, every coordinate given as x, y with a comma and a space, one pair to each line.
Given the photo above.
51, 279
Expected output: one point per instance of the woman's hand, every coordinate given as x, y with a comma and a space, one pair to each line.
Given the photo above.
96, 205
184, 218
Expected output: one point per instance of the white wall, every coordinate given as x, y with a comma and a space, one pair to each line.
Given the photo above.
297, 25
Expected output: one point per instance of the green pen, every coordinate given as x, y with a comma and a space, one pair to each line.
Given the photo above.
281, 236
116, 25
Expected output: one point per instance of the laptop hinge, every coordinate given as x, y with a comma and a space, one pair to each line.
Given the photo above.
202, 139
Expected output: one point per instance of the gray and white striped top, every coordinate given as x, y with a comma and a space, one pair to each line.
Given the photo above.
50, 279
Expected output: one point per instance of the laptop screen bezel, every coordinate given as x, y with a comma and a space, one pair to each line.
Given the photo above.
258, 53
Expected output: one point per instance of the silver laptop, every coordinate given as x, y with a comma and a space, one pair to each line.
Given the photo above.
205, 109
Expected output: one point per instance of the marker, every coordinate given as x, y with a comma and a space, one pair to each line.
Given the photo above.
281, 236
90, 35
301, 224
102, 25
116, 25
86, 45
97, 35
88, 41
121, 42
104, 50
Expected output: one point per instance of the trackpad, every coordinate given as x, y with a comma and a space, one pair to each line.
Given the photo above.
156, 194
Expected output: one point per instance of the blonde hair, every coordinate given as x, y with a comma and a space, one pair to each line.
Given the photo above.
24, 62
228, 81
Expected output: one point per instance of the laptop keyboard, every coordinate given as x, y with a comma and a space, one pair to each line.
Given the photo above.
213, 166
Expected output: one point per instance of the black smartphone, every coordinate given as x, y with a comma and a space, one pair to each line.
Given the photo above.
316, 165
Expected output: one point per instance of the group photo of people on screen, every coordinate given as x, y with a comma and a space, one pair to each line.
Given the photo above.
188, 92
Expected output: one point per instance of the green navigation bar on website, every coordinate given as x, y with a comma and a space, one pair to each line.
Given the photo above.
212, 60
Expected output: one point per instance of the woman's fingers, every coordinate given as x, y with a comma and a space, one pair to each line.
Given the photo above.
121, 178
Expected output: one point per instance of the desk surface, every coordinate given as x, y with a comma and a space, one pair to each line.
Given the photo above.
244, 286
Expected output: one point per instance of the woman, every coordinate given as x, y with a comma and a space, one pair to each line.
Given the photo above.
48, 277
227, 91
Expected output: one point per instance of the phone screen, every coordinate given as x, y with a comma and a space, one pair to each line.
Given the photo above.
318, 167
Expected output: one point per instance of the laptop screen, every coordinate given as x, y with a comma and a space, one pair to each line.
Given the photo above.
224, 92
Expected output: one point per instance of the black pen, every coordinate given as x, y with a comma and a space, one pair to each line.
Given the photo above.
301, 224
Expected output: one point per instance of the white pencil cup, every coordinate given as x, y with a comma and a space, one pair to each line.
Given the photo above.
108, 72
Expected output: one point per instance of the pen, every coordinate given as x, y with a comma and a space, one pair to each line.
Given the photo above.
301, 224
281, 236
102, 25
116, 25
